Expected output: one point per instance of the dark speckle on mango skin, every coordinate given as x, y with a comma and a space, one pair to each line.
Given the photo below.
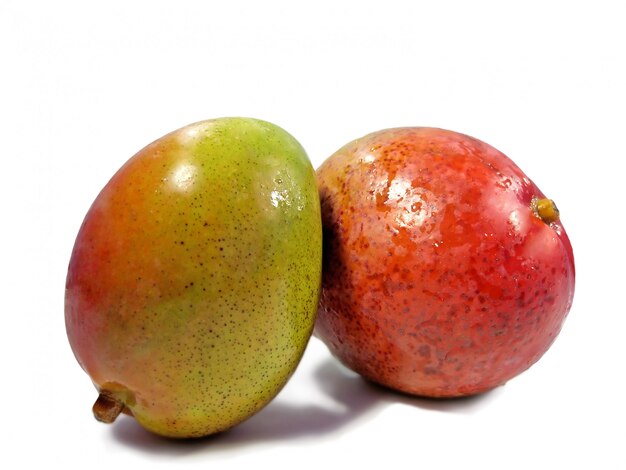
439, 279
194, 280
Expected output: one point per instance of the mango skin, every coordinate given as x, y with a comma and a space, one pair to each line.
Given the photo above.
193, 284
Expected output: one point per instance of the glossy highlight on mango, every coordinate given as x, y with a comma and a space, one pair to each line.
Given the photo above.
194, 280
447, 272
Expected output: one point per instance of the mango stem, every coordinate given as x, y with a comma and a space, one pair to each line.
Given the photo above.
546, 210
107, 408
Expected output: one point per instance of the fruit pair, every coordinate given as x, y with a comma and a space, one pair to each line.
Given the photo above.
194, 282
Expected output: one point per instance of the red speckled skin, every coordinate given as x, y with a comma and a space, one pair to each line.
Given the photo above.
439, 278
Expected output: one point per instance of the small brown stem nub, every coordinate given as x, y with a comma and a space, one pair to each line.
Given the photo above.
546, 210
107, 408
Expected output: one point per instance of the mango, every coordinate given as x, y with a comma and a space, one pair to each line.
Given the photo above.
447, 271
194, 281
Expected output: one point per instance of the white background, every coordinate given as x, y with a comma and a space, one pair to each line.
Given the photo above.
84, 85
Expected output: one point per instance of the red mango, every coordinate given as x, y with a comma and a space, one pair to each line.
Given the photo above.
446, 270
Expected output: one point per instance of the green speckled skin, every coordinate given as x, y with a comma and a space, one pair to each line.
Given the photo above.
194, 281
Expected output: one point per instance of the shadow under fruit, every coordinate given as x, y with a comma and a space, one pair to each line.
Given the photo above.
446, 270
194, 280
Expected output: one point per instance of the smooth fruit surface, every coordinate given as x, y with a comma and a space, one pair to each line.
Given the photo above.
446, 270
194, 280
